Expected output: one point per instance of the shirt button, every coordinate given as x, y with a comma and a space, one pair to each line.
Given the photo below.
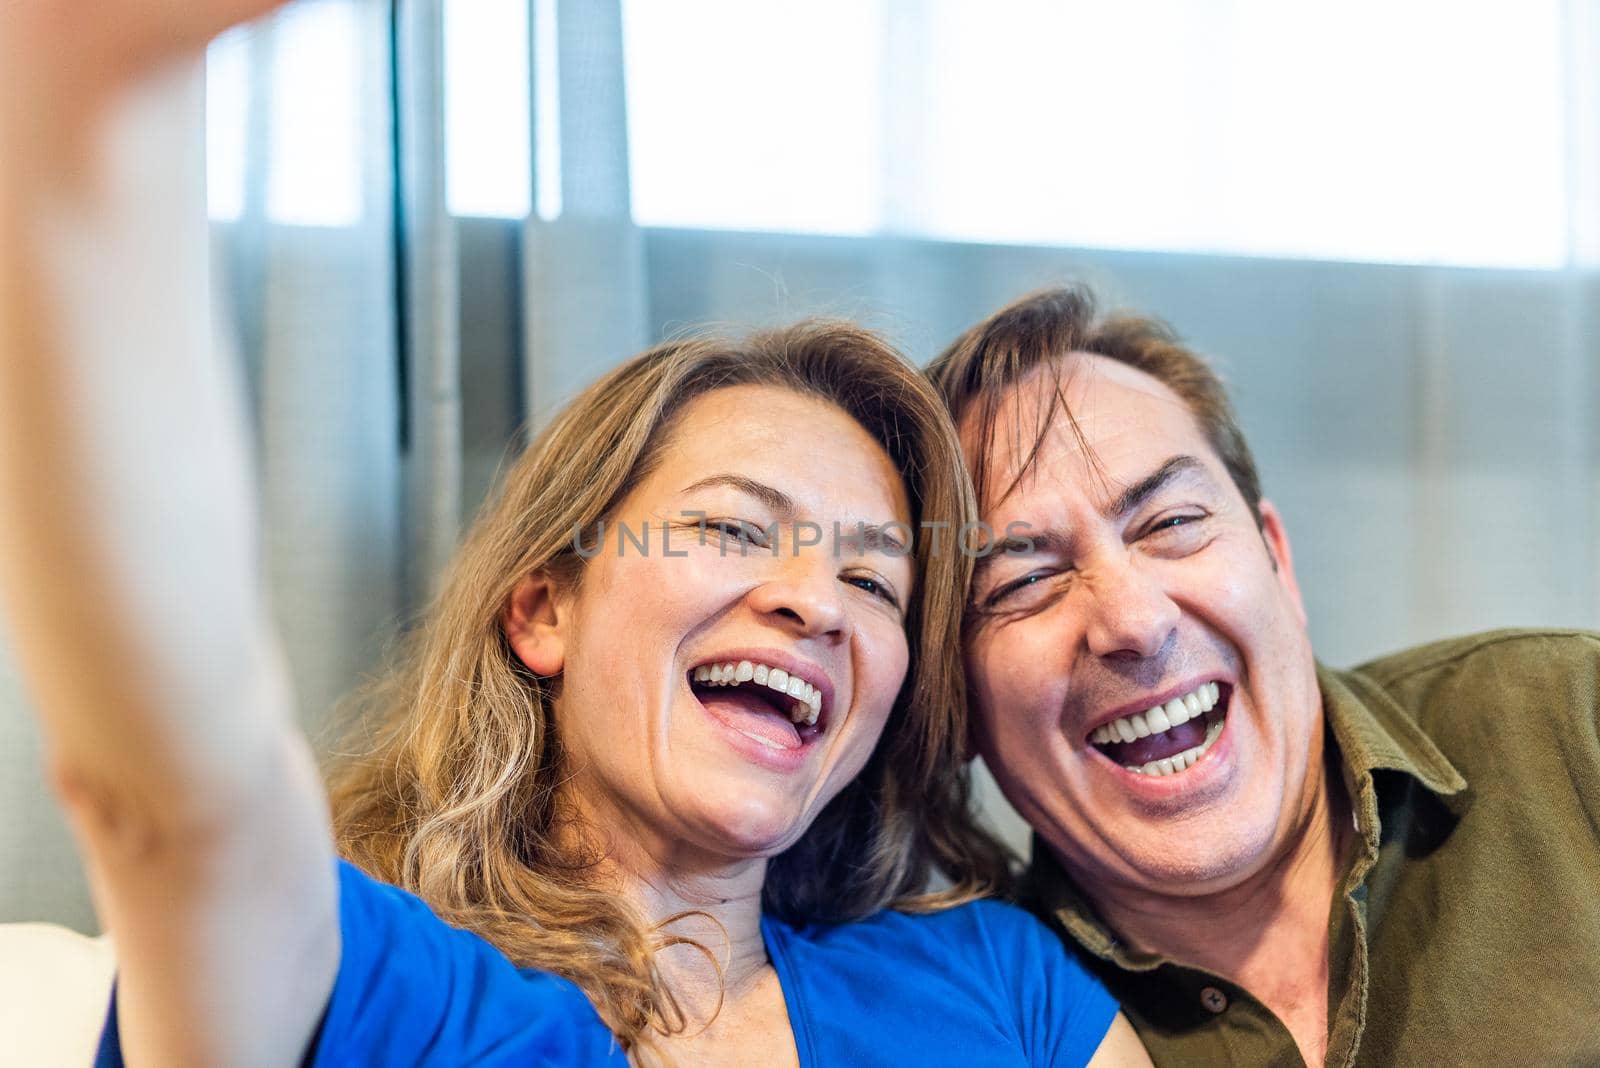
1213, 999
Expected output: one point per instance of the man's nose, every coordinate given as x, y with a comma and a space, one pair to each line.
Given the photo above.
1130, 614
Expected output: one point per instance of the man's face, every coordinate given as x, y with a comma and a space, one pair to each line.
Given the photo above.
1148, 584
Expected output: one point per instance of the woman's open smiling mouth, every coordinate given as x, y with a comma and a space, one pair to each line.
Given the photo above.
778, 708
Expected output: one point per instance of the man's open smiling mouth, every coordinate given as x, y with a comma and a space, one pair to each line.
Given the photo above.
1167, 738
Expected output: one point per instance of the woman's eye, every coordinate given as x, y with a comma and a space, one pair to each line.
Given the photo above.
738, 530
875, 587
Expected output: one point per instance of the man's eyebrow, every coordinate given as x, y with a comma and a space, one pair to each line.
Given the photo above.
1151, 484
1054, 543
776, 500
1044, 543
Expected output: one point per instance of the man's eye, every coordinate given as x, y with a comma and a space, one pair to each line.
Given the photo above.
1007, 589
1177, 535
1173, 522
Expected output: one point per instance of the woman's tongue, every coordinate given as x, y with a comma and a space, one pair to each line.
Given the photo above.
745, 711
1157, 746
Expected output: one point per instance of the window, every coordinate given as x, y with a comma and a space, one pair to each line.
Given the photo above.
1420, 132
487, 122
315, 104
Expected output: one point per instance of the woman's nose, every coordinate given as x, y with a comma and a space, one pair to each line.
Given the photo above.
806, 597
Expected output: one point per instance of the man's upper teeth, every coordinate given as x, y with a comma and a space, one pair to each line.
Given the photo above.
1158, 718
807, 699
1181, 761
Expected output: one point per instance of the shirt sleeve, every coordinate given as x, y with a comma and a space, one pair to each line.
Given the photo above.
413, 991
1063, 1011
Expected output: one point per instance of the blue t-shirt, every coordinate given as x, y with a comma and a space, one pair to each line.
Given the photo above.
983, 983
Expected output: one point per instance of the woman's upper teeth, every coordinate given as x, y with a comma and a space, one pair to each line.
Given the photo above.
1158, 718
807, 698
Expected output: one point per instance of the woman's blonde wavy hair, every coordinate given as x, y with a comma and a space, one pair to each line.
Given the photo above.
446, 784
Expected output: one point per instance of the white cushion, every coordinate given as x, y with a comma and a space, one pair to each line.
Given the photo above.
55, 986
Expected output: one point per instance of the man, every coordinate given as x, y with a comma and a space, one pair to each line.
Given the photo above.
1268, 861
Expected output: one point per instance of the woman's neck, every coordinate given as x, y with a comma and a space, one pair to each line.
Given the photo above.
718, 911
703, 909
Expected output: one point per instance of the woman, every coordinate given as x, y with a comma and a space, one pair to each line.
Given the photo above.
636, 751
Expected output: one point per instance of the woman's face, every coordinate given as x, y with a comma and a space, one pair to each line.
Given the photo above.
683, 725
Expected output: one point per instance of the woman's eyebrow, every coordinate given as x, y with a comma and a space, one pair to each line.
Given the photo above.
775, 499
867, 537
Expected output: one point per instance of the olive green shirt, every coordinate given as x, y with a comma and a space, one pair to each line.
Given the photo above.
1466, 927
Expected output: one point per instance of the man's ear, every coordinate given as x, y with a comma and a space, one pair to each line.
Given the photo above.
1277, 539
532, 622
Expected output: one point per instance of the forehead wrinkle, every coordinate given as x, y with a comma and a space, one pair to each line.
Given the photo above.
1047, 384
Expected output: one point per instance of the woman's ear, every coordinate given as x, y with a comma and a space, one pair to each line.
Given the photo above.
532, 622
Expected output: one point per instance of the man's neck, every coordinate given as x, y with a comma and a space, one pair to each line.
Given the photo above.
1269, 934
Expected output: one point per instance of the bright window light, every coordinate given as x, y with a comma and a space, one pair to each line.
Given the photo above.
227, 112
315, 176
547, 120
486, 108
752, 114
1425, 132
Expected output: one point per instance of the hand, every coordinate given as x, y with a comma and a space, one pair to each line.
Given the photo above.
63, 61
110, 41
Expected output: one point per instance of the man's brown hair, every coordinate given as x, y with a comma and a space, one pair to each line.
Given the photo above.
976, 371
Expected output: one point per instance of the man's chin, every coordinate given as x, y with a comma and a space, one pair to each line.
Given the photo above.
1195, 864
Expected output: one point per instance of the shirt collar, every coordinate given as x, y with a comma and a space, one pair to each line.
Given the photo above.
1372, 733
1375, 734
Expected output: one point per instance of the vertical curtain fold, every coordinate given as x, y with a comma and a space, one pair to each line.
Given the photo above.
314, 309
1432, 434
431, 301
585, 297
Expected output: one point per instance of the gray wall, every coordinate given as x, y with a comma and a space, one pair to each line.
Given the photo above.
1430, 434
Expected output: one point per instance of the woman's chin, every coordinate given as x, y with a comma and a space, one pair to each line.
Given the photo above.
751, 825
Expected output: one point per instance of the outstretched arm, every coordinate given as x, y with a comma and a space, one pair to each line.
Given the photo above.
1121, 1047
128, 558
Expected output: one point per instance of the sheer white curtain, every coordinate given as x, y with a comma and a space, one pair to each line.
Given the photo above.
383, 335
1426, 418
304, 224
1428, 424
586, 281
1429, 420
